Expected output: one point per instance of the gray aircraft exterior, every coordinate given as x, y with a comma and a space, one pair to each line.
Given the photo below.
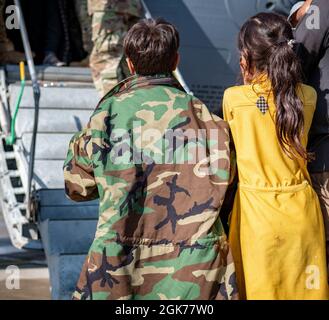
208, 31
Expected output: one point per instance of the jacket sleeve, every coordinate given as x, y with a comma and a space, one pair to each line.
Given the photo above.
79, 177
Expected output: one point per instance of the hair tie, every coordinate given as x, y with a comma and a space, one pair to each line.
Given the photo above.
291, 43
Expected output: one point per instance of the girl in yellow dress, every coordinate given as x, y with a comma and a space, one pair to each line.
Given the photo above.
276, 228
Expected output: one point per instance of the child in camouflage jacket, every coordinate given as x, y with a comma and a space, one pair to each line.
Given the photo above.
159, 162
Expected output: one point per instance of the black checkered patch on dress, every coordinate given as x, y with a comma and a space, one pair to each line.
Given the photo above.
262, 105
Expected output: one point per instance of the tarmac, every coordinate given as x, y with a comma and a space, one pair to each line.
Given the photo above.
32, 280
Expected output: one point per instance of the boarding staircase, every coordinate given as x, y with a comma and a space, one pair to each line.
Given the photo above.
64, 229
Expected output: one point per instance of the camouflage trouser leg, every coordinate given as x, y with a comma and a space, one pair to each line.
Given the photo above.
85, 23
107, 34
108, 31
5, 44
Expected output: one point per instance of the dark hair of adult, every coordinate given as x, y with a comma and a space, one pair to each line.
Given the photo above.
152, 46
264, 43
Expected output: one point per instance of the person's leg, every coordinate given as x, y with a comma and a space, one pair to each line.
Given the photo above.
321, 186
84, 18
54, 27
108, 29
54, 33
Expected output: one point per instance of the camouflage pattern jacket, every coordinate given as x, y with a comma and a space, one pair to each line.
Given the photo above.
159, 163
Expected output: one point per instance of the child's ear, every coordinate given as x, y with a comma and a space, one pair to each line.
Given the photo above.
176, 62
131, 66
244, 70
243, 63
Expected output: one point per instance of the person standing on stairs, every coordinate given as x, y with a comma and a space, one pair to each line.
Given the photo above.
313, 50
111, 19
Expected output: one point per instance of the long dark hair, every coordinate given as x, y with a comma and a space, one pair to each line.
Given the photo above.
264, 43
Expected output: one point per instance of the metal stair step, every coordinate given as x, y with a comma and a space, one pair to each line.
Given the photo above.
80, 211
48, 174
66, 244
48, 73
49, 146
64, 271
56, 97
52, 120
67, 236
19, 190
57, 197
10, 155
14, 174
54, 205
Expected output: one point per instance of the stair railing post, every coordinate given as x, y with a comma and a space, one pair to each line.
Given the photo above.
36, 96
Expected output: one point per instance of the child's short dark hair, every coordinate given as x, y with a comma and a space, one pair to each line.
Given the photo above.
152, 46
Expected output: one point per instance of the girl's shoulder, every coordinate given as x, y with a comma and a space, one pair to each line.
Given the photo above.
243, 94
236, 95
308, 95
231, 91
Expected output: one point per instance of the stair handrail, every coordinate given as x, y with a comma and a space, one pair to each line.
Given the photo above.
36, 96
11, 138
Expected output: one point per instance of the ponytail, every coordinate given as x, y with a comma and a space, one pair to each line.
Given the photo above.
265, 42
284, 71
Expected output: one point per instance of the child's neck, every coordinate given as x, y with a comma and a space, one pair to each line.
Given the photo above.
257, 77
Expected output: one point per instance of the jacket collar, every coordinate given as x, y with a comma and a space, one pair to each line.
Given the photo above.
138, 81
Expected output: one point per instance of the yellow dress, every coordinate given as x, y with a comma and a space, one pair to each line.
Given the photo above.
276, 228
